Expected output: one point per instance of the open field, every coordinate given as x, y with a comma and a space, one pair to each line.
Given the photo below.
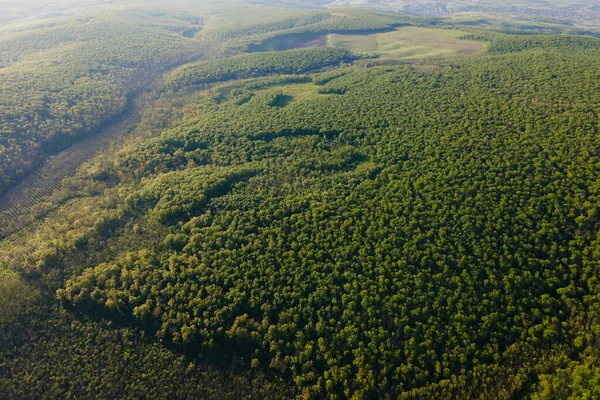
524, 23
409, 43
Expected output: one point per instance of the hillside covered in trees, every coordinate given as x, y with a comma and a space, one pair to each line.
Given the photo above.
65, 81
313, 223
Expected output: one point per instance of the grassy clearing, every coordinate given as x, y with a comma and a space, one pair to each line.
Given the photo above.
409, 43
299, 92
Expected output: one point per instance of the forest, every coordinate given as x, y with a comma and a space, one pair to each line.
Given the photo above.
65, 81
298, 61
303, 223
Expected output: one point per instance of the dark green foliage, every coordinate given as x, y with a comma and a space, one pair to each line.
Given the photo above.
502, 44
74, 359
389, 232
296, 61
65, 81
183, 194
440, 238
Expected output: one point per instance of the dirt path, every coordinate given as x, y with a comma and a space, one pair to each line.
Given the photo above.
38, 185
16, 203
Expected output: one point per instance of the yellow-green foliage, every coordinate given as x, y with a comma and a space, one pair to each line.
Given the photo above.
409, 43
405, 235
15, 295
62, 82
390, 232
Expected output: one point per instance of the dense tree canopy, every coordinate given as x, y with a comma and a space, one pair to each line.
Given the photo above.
61, 82
427, 230
297, 61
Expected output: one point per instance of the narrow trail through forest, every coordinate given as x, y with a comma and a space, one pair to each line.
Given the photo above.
42, 182
16, 203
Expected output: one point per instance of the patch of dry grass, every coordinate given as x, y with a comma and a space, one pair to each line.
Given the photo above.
409, 43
